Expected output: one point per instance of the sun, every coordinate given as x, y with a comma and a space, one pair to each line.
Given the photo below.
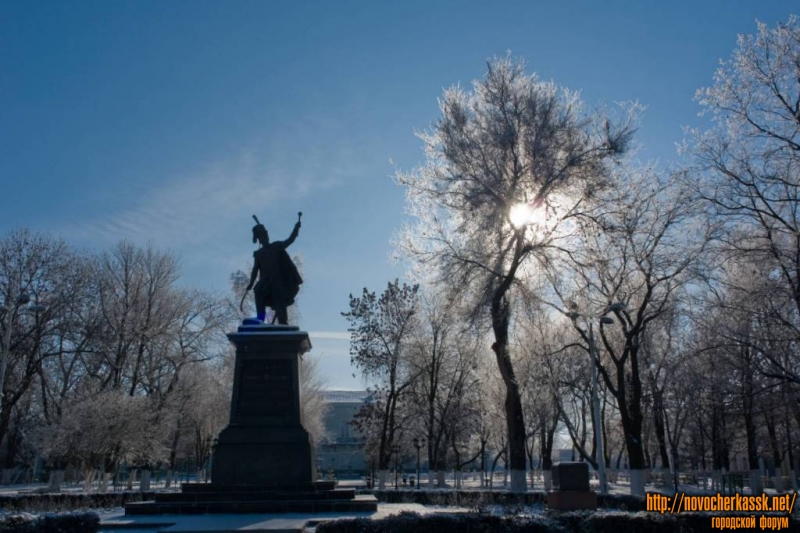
524, 214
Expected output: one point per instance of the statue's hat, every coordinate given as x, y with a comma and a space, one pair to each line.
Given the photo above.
258, 229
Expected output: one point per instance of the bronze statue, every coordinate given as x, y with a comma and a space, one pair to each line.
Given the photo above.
278, 278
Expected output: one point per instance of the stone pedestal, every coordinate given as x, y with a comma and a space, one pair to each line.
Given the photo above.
264, 461
265, 442
571, 476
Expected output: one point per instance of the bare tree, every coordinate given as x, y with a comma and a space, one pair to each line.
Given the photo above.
380, 330
138, 307
51, 274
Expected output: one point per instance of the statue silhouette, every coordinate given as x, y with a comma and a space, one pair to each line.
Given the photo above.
278, 278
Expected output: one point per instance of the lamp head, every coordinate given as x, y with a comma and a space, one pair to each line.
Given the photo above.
616, 306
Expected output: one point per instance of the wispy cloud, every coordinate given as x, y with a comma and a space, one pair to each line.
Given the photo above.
328, 352
189, 210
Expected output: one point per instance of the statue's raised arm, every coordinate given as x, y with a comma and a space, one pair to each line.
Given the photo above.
295, 232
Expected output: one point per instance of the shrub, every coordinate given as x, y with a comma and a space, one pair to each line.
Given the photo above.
414, 523
470, 499
538, 524
624, 502
475, 499
66, 501
554, 522
50, 523
640, 522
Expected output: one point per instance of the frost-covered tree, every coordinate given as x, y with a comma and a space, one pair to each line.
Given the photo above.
498, 159
97, 431
442, 355
201, 407
639, 249
747, 166
313, 407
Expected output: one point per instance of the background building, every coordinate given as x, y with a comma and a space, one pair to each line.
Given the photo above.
340, 451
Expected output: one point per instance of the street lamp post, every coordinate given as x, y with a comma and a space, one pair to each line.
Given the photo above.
214, 445
418, 444
598, 432
396, 450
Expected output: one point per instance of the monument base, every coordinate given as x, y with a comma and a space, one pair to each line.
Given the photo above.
209, 498
263, 456
572, 500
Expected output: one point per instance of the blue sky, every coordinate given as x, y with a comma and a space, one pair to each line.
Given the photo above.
173, 122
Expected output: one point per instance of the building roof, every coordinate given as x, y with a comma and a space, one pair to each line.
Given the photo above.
346, 396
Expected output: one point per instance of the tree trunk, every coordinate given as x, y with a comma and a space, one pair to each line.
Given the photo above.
513, 405
756, 487
105, 478
483, 463
491, 473
56, 479
131, 479
144, 480
547, 462
790, 453
631, 418
13, 443
777, 455
547, 437
88, 479
604, 432
658, 423
529, 451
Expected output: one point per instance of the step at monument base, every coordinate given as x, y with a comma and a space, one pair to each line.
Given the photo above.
206, 498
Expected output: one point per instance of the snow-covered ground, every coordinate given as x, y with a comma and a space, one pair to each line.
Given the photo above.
288, 521
115, 517
468, 482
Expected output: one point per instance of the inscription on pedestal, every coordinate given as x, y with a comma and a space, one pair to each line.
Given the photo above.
266, 388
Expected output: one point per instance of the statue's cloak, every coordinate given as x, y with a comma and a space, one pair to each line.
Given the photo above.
279, 281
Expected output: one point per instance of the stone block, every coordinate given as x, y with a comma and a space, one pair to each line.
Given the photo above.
571, 476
